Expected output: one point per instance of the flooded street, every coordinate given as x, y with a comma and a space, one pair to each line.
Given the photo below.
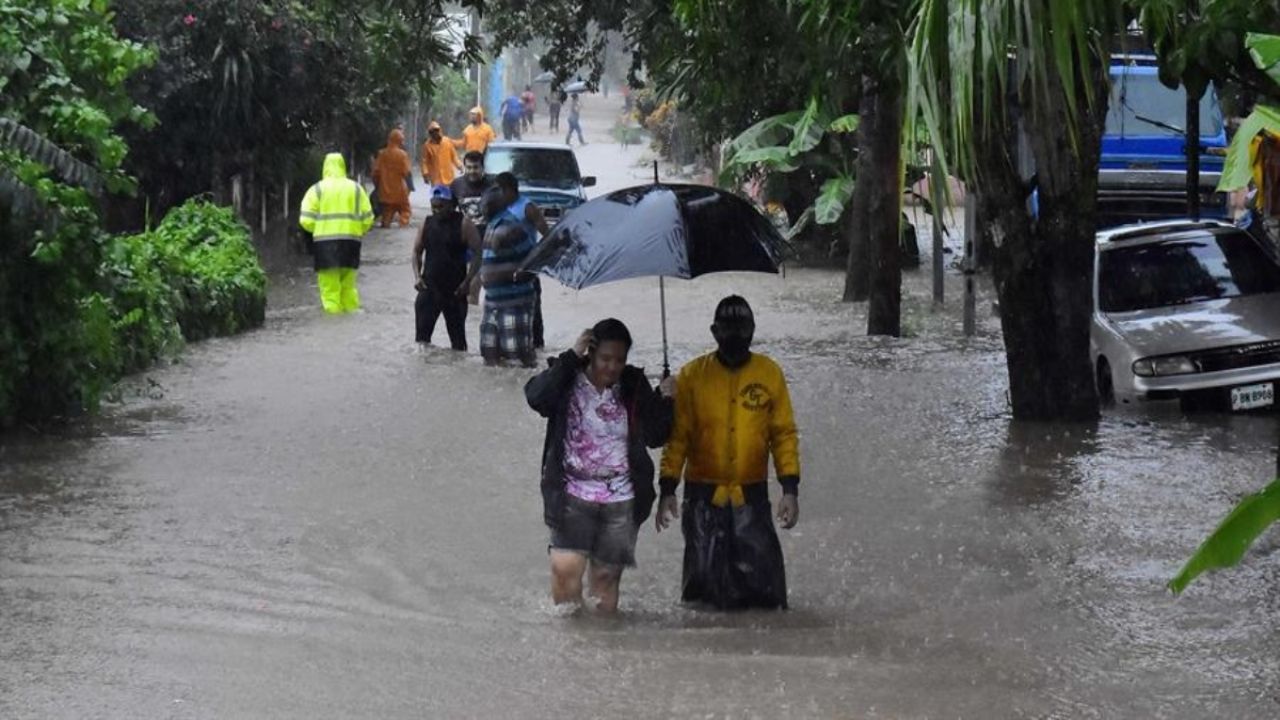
314, 521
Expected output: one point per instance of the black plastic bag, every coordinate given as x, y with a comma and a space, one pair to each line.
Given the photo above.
732, 557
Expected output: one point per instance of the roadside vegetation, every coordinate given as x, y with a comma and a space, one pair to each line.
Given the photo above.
127, 127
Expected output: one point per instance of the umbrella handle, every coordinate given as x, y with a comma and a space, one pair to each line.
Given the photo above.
662, 301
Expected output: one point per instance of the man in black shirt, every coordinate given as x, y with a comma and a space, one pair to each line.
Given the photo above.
467, 190
441, 273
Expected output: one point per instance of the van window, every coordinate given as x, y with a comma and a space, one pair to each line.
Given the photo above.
1134, 94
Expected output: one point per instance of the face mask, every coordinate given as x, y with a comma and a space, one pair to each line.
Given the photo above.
734, 346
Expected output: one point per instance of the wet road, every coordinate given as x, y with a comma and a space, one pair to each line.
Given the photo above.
313, 521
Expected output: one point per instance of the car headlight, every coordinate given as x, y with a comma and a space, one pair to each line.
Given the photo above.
1158, 367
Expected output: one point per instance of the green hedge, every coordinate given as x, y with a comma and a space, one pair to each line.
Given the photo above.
194, 276
213, 268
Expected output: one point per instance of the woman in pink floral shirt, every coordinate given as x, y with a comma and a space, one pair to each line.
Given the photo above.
597, 476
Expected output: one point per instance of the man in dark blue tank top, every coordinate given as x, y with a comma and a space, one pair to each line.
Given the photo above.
530, 216
440, 270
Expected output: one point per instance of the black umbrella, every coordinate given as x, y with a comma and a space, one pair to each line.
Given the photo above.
665, 230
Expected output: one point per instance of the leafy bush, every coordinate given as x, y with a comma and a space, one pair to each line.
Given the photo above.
214, 270
62, 98
195, 276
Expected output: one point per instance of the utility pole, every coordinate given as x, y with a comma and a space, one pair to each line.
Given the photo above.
477, 69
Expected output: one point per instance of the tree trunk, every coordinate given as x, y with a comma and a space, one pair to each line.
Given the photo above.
1043, 267
857, 226
857, 275
884, 210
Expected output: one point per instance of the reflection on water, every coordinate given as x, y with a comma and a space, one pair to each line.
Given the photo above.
313, 520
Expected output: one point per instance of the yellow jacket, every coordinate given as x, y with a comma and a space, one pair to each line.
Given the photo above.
728, 422
336, 208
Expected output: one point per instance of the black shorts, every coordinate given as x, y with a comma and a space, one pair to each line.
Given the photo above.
604, 532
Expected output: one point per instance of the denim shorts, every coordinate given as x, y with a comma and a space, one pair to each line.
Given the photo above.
604, 532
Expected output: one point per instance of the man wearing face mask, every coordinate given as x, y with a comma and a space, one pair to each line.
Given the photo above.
732, 411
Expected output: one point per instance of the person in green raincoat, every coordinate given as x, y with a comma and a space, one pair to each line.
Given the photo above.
337, 213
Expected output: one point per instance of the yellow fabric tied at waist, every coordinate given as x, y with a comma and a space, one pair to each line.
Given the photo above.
729, 494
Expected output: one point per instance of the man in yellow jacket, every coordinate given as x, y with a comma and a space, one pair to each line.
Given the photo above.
337, 213
732, 411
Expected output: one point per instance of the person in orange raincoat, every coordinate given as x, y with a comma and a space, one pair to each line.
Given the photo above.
478, 134
391, 172
440, 161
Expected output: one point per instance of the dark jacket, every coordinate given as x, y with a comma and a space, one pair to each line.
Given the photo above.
649, 419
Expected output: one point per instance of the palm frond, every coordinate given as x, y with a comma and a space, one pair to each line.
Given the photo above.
36, 147
989, 55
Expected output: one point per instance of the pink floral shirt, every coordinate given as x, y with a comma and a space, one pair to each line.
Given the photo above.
595, 446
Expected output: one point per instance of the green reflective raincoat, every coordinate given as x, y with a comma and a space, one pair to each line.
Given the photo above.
337, 213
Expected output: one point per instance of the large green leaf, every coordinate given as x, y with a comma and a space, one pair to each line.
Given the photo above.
808, 130
768, 132
1227, 544
1265, 51
777, 158
832, 199
1238, 165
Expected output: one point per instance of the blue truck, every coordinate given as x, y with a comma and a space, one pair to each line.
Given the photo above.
1142, 176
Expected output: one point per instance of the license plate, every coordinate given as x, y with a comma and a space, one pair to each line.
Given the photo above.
1248, 397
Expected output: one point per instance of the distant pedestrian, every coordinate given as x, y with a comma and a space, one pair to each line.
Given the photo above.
506, 328
597, 476
512, 112
439, 161
575, 116
529, 103
440, 269
554, 101
391, 171
733, 410
337, 213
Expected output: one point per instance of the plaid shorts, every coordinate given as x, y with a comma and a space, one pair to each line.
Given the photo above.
507, 332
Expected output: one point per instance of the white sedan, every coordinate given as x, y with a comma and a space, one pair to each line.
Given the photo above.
1188, 311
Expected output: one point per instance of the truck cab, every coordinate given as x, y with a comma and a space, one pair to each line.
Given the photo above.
1142, 175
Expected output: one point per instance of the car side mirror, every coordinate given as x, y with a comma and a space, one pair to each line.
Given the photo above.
589, 181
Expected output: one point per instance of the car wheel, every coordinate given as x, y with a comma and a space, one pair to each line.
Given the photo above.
1105, 383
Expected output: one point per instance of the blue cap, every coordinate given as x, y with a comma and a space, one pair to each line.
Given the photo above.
441, 192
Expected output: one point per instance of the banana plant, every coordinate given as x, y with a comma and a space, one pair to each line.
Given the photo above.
1255, 513
1237, 168
807, 140
1227, 544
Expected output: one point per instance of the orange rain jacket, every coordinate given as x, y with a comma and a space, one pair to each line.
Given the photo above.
727, 423
390, 170
439, 161
477, 137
